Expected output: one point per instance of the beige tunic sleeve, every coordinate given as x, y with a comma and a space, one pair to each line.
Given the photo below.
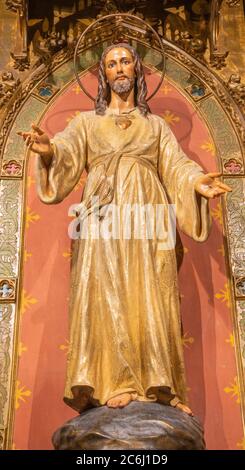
178, 174
56, 181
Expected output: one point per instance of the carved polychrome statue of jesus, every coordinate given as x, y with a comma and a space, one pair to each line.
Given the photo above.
125, 331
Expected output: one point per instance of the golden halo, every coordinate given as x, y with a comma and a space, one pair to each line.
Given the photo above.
120, 16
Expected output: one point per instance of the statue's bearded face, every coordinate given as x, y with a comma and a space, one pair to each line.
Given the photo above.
119, 69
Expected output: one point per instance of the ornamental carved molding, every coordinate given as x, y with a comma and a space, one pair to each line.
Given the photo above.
217, 86
236, 229
2, 435
6, 327
241, 323
191, 25
233, 3
8, 86
219, 89
15, 5
9, 242
237, 90
177, 27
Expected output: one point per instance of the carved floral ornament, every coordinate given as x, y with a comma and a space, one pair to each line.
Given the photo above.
233, 166
233, 3
237, 89
176, 27
14, 5
45, 91
55, 41
12, 168
7, 290
8, 86
240, 286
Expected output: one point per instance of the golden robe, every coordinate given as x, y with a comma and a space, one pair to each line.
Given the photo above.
125, 329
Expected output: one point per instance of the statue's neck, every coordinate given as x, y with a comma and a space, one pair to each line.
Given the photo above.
122, 102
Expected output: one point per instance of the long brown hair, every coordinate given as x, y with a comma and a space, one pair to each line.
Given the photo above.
140, 89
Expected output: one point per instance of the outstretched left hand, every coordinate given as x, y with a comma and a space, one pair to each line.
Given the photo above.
209, 186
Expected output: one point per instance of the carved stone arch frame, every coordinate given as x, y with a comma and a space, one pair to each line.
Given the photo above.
214, 104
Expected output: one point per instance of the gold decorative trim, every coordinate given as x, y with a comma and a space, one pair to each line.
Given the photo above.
2, 435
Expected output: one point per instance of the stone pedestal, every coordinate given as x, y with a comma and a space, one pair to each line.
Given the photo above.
140, 425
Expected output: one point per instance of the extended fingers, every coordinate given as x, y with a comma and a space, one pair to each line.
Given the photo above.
223, 186
24, 134
215, 192
211, 192
37, 129
31, 139
215, 183
214, 174
210, 187
33, 135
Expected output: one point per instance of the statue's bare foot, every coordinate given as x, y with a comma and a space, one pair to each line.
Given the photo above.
184, 408
119, 401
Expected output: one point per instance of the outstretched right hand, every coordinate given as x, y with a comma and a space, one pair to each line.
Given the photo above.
37, 141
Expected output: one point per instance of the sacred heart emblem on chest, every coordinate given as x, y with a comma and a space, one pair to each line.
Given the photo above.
123, 122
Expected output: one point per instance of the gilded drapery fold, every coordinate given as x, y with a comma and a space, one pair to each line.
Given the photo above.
178, 174
125, 329
58, 180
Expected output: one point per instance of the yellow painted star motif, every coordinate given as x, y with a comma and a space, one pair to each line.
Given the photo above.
166, 89
21, 394
209, 147
22, 348
30, 181
224, 295
241, 444
65, 347
221, 250
14, 446
26, 255
77, 90
217, 213
170, 117
187, 340
231, 340
31, 217
234, 390
72, 116
26, 301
